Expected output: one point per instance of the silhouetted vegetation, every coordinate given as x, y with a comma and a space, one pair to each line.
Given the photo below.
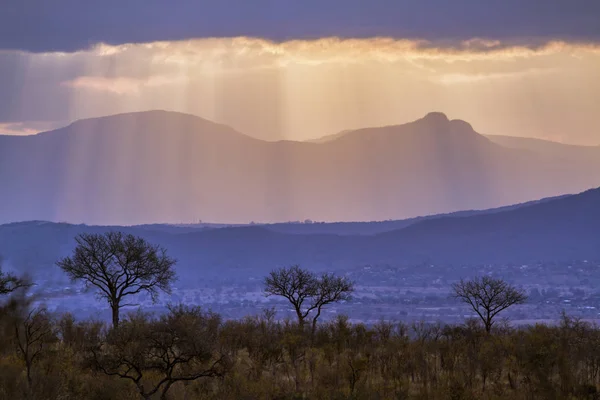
306, 292
190, 353
9, 282
488, 297
118, 266
156, 353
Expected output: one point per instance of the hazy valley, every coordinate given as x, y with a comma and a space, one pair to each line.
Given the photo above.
403, 269
175, 167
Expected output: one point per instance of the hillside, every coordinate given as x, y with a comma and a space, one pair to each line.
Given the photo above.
161, 166
561, 229
375, 227
554, 149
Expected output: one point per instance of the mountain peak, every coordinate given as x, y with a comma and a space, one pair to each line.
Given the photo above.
436, 117
439, 122
160, 116
146, 124
461, 125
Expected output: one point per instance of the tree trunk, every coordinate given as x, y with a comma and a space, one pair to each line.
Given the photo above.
511, 381
28, 367
314, 322
488, 323
163, 395
142, 392
300, 317
115, 315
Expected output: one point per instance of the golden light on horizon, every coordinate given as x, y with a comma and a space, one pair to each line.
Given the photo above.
302, 90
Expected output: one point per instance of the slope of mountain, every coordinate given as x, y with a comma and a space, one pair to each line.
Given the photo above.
168, 167
562, 229
329, 138
548, 147
566, 228
127, 168
376, 227
328, 228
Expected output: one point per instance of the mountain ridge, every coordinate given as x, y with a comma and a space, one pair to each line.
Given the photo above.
496, 138
557, 230
147, 167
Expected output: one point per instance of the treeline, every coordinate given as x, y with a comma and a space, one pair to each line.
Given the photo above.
190, 353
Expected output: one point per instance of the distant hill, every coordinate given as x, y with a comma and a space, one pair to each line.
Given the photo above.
375, 227
566, 228
560, 229
159, 166
329, 138
533, 144
554, 149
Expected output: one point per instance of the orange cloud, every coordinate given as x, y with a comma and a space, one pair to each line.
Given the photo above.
305, 89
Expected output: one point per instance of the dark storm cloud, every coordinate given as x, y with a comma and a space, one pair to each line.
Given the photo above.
67, 25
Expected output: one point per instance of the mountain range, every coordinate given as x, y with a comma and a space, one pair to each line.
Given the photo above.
160, 166
559, 229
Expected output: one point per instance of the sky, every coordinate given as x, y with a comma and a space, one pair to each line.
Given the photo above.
282, 69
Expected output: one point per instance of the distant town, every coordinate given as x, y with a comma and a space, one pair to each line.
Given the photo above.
382, 292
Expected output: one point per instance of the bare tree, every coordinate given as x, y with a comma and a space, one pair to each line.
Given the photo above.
9, 282
28, 328
34, 332
119, 265
330, 289
180, 346
488, 297
296, 285
307, 292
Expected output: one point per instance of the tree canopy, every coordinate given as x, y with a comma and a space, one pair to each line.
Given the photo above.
307, 292
9, 282
488, 297
119, 265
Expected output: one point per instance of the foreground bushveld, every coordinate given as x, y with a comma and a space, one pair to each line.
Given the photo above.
190, 354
